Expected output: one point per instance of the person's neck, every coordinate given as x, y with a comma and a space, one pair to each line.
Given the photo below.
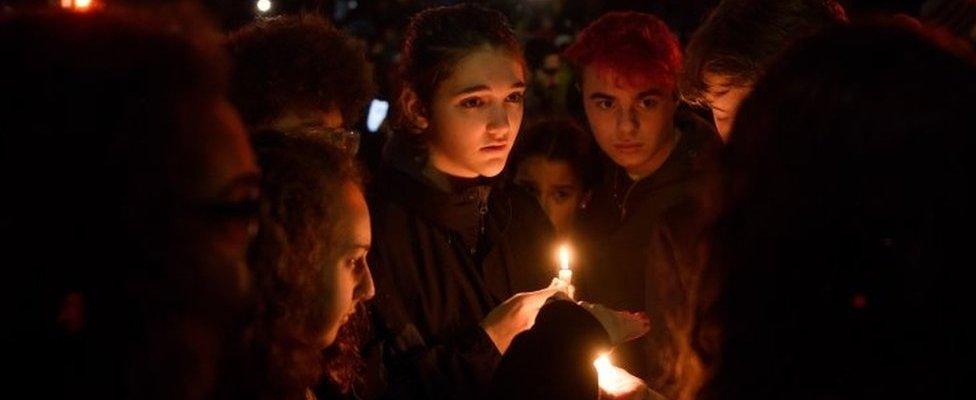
658, 159
450, 182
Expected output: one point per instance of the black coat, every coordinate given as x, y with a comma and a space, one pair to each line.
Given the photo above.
633, 235
441, 260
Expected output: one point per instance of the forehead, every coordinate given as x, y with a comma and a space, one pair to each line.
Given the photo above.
215, 148
545, 171
488, 66
597, 78
720, 86
358, 214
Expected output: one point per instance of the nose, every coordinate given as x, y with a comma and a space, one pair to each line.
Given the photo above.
627, 121
365, 289
498, 123
547, 205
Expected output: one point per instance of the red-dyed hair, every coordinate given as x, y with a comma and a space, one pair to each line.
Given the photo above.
638, 46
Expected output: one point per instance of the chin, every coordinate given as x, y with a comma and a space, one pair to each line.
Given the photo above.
630, 161
330, 337
492, 168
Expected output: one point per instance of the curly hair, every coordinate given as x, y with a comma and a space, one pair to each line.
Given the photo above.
741, 38
637, 45
437, 38
297, 62
300, 224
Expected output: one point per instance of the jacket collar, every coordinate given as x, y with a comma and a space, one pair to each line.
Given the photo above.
454, 203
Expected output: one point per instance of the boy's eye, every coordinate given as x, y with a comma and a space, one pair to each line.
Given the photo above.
604, 104
648, 102
515, 97
472, 102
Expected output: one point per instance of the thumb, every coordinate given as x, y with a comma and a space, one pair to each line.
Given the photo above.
539, 297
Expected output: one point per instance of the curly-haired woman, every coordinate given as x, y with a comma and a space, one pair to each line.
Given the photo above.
309, 265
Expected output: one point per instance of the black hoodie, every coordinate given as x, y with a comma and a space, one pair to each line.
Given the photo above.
445, 252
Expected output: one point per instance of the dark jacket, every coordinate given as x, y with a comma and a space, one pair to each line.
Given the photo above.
661, 217
444, 254
554, 359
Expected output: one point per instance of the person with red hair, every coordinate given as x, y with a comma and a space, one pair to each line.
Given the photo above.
651, 209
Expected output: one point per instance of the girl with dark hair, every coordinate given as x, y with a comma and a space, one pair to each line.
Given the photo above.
457, 255
846, 247
309, 266
554, 163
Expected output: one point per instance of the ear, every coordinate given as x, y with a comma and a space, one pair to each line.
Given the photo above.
414, 109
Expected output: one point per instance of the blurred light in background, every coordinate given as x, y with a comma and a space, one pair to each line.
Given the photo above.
264, 5
77, 5
377, 113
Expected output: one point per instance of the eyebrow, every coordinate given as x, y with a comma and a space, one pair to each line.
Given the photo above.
601, 96
359, 246
650, 92
482, 88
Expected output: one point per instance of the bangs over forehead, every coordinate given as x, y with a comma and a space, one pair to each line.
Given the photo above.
637, 47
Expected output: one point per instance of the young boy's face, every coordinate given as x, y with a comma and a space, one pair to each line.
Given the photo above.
631, 119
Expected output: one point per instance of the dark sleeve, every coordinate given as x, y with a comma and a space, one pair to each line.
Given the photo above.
402, 364
554, 359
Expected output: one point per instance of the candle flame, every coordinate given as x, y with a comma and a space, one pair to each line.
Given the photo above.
613, 380
564, 257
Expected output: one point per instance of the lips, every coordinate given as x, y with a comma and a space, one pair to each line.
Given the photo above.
492, 148
629, 147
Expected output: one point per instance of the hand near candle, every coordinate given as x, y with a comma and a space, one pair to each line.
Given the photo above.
622, 326
567, 289
515, 315
618, 384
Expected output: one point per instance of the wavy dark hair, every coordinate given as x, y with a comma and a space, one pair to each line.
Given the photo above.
740, 38
297, 62
303, 184
437, 38
847, 239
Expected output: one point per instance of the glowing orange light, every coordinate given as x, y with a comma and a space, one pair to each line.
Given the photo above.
77, 5
612, 380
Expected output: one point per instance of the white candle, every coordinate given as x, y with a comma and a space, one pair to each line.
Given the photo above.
565, 273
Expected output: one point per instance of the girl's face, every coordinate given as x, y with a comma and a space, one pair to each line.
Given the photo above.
476, 113
555, 185
348, 278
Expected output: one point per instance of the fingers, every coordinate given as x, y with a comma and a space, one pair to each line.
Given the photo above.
537, 298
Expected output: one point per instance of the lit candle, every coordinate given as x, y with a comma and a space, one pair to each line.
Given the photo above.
617, 382
565, 273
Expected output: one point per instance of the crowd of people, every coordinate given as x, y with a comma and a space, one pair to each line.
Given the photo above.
774, 203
